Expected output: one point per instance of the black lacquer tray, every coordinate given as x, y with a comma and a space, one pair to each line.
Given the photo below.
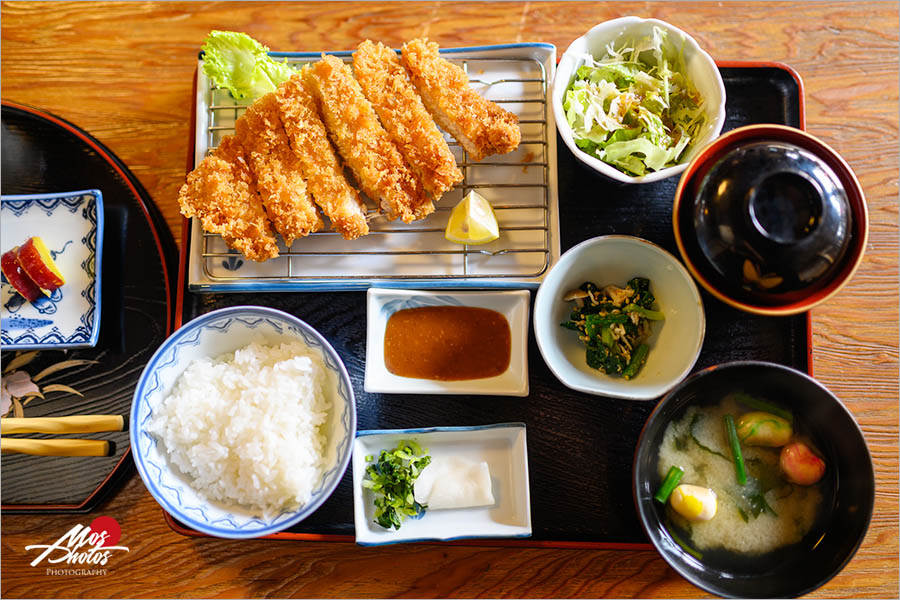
42, 154
580, 447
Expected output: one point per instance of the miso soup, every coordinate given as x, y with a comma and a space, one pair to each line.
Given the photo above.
766, 513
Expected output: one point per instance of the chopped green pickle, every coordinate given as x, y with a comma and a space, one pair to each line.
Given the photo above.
392, 478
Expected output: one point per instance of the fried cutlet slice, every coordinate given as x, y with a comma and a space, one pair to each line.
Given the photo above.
363, 143
479, 125
221, 192
318, 161
277, 170
385, 83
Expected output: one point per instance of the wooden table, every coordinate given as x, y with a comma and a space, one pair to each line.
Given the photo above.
123, 72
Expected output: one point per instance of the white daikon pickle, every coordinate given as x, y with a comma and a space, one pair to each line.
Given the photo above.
454, 482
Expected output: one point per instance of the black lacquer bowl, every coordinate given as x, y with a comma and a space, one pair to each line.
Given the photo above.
849, 485
43, 153
770, 220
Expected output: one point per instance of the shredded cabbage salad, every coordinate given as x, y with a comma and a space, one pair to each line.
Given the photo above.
635, 108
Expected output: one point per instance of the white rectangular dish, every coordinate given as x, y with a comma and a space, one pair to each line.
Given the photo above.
71, 225
512, 304
521, 186
503, 447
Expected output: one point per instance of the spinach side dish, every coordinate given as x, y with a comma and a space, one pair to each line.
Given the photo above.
614, 323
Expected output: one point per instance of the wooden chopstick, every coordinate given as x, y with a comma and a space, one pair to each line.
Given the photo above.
78, 424
64, 447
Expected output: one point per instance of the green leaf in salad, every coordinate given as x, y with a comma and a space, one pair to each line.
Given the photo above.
392, 478
635, 108
240, 64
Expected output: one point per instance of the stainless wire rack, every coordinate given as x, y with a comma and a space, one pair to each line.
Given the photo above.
523, 250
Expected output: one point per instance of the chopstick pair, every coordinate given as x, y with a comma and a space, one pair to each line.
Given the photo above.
63, 447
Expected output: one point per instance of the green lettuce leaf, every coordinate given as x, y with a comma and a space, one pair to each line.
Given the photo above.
240, 64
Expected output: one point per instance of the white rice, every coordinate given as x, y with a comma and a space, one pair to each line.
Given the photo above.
247, 427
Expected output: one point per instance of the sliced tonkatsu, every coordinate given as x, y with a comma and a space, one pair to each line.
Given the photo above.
365, 146
221, 192
480, 126
320, 166
386, 84
277, 170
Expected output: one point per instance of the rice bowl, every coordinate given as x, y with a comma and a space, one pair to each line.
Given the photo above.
242, 464
245, 427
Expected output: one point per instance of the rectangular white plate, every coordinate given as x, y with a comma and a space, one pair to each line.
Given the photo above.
501, 446
382, 303
71, 225
524, 196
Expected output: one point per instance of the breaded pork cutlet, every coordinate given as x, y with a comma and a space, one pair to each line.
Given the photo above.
318, 162
387, 86
479, 125
363, 143
277, 170
221, 192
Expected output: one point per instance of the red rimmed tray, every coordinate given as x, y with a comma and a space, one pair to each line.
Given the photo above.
568, 432
44, 153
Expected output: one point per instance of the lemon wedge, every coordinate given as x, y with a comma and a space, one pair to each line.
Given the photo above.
472, 221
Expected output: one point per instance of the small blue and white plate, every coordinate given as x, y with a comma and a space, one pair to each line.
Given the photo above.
382, 303
71, 224
501, 446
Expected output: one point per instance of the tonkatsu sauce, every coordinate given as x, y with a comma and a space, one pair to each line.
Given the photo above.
447, 343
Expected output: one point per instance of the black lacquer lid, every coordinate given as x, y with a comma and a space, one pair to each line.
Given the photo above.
772, 218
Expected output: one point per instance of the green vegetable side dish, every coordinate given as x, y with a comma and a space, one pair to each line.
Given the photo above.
240, 64
635, 108
613, 323
392, 478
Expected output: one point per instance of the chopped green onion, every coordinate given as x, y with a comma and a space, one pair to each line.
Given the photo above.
669, 483
739, 468
757, 404
392, 478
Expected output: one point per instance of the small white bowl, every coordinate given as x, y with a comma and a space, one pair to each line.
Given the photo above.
501, 446
701, 68
210, 335
613, 260
513, 305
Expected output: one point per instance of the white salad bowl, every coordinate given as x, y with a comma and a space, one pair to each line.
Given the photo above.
675, 342
700, 66
211, 335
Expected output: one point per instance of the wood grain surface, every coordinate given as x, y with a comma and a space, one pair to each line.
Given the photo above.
123, 72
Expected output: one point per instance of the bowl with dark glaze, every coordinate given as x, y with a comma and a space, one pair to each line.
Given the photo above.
770, 220
841, 518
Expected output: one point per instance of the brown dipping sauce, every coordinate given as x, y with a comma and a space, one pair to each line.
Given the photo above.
447, 343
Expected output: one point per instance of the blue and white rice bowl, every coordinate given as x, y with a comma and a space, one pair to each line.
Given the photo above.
209, 336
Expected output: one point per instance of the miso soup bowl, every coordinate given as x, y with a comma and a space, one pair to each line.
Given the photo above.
847, 504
